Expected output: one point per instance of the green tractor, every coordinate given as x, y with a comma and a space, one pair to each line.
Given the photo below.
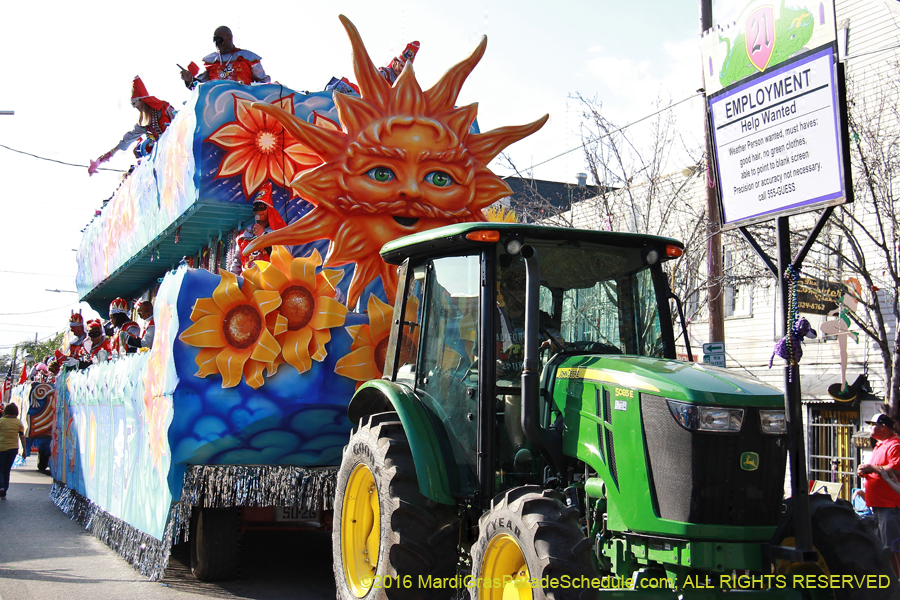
534, 436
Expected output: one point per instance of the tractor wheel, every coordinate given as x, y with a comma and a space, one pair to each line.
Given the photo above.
215, 543
526, 536
846, 546
388, 538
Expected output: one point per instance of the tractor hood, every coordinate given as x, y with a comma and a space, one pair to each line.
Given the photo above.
688, 382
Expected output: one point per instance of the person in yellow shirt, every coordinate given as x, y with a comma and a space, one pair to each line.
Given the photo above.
11, 433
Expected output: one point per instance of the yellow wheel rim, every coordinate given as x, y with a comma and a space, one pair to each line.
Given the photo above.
360, 531
786, 567
504, 572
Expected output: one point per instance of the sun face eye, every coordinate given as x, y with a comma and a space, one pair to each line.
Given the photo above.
380, 174
439, 179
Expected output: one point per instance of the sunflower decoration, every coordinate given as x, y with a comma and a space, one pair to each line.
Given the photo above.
258, 148
302, 325
404, 161
368, 349
498, 213
231, 330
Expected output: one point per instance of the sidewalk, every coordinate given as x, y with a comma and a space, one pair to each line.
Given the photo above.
45, 555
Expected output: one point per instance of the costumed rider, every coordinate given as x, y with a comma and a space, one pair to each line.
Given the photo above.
145, 311
77, 356
101, 349
128, 333
227, 63
154, 119
265, 220
393, 69
53, 366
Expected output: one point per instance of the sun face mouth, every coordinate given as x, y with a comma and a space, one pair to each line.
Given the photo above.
406, 221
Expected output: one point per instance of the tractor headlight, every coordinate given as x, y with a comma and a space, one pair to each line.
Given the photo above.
696, 417
773, 422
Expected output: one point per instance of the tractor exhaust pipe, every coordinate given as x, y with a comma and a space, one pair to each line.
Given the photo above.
531, 368
547, 442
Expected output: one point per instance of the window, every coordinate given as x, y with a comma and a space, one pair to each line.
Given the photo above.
738, 299
447, 371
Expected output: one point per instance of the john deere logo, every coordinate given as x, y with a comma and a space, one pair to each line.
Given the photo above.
749, 461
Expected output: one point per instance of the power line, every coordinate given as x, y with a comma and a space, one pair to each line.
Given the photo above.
623, 128
872, 52
43, 339
41, 274
68, 164
36, 312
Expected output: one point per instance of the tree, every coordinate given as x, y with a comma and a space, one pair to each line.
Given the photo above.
640, 191
37, 349
861, 239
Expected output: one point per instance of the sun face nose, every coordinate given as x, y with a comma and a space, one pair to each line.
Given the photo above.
410, 190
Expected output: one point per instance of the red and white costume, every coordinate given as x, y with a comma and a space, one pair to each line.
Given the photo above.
76, 342
246, 236
160, 116
128, 335
408, 55
101, 349
238, 65
128, 338
147, 333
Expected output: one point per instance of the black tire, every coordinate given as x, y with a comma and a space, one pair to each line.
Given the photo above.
417, 537
847, 546
215, 543
548, 536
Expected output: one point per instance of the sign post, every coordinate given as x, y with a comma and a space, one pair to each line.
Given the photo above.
777, 141
777, 114
714, 354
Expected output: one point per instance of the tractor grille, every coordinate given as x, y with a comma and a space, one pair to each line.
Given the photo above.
605, 433
599, 394
697, 477
611, 452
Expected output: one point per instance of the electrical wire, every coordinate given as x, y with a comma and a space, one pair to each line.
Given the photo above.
623, 128
41, 274
68, 164
852, 56
43, 339
37, 311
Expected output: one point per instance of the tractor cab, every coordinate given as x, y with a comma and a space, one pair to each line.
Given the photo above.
461, 343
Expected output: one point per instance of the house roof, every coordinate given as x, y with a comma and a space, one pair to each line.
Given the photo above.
560, 195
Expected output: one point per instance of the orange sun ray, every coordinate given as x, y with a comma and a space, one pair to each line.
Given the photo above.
403, 161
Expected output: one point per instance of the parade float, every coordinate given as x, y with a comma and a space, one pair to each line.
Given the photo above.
242, 399
37, 405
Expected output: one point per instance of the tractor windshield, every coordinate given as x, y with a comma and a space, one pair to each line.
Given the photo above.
593, 299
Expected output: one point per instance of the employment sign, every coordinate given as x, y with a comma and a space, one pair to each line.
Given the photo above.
777, 141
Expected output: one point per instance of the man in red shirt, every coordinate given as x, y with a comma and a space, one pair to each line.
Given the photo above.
880, 496
227, 63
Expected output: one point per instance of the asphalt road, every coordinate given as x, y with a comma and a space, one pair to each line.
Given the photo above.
44, 555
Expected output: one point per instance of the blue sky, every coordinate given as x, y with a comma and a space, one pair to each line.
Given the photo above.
72, 66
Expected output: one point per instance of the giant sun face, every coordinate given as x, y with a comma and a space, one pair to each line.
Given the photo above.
403, 162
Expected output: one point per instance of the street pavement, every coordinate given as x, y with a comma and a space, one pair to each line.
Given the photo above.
45, 555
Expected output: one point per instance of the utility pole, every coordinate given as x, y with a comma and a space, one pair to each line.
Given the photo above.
714, 270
